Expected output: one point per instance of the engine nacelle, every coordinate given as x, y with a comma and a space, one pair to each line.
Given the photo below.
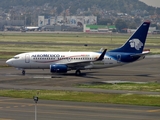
58, 68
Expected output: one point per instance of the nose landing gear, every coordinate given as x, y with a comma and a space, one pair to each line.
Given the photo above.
23, 72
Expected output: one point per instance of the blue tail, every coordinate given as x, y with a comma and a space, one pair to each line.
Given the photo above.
136, 42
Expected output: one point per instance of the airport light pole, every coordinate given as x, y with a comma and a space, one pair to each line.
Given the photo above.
35, 98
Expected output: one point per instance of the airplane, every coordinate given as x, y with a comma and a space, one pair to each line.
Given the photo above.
61, 62
31, 28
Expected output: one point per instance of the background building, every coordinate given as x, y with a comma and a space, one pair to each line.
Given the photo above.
11, 25
67, 20
98, 28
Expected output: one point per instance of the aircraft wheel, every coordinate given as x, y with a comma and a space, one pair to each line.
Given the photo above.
78, 72
23, 72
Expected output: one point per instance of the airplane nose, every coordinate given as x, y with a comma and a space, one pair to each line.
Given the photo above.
9, 62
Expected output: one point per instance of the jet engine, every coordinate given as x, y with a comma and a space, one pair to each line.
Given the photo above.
58, 68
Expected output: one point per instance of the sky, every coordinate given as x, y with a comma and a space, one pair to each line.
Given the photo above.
155, 3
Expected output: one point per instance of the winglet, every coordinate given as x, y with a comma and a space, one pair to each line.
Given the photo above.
101, 57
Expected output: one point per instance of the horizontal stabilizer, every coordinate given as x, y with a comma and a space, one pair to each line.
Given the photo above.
140, 54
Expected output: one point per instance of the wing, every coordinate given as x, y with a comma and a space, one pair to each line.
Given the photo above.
81, 64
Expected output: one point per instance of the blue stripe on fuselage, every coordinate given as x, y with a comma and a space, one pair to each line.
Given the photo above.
122, 57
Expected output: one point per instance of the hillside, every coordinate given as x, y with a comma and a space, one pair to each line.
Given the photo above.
125, 6
154, 3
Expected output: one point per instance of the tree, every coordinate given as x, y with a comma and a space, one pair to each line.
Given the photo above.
137, 21
28, 20
120, 25
132, 25
59, 9
105, 21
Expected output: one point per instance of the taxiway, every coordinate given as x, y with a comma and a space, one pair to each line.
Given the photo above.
146, 70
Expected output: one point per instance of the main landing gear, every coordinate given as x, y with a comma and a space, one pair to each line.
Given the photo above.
78, 72
23, 72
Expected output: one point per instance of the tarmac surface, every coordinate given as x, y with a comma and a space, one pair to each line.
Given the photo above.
147, 70
24, 109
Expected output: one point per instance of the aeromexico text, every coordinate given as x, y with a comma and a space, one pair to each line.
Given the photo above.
48, 55
57, 55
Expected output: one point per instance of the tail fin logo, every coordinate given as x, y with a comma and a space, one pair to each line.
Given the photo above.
136, 43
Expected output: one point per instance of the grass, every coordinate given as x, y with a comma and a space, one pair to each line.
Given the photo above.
152, 87
146, 100
132, 99
111, 41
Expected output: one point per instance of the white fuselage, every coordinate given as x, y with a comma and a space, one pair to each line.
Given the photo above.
43, 60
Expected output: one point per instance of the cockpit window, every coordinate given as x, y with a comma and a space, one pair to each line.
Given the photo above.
16, 57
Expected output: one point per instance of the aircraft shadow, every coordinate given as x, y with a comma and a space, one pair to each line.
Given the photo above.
83, 75
92, 74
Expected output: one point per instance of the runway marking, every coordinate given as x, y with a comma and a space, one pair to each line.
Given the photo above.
151, 111
71, 106
23, 105
41, 77
53, 111
30, 105
8, 107
80, 107
15, 106
5, 119
68, 113
6, 99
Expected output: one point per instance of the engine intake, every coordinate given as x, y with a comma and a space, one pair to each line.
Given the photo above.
58, 68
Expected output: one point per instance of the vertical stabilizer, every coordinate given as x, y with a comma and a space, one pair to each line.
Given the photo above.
136, 42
